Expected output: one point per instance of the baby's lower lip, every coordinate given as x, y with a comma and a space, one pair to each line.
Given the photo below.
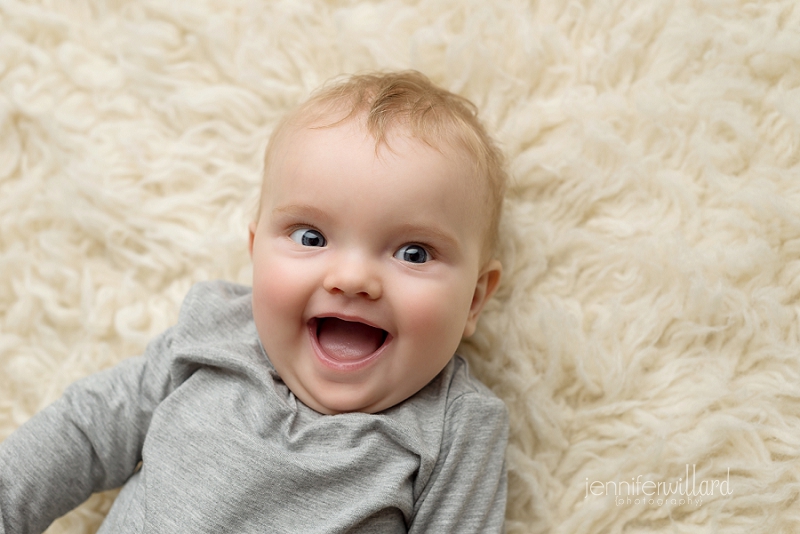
339, 365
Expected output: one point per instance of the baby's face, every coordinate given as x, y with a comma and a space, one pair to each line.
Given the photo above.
366, 267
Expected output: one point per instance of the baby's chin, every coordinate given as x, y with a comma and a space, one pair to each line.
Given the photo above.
347, 398
339, 402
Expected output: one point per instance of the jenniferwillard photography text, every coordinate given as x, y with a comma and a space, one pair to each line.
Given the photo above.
689, 488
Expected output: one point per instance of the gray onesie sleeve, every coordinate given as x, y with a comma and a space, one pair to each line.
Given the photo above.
89, 440
467, 490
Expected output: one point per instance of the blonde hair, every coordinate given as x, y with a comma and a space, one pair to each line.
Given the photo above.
408, 99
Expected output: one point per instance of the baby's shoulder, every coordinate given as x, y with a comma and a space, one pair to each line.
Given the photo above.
467, 395
455, 394
454, 412
219, 292
215, 308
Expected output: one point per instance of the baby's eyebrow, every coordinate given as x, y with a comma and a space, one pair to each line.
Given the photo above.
301, 211
429, 233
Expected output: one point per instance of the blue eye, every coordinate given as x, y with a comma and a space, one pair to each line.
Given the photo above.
308, 237
413, 254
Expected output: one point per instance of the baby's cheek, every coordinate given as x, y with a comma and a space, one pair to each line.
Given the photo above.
274, 287
438, 316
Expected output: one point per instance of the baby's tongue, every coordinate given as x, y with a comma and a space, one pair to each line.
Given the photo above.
346, 340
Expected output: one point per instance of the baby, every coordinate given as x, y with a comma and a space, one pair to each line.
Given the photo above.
327, 398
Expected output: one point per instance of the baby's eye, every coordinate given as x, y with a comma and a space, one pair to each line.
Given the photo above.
308, 237
413, 254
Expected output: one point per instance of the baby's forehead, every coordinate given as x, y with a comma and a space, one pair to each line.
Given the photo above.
399, 146
398, 141
388, 135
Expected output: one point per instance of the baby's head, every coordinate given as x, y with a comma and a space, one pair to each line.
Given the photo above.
374, 240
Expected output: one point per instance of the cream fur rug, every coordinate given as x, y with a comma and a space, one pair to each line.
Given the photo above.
649, 321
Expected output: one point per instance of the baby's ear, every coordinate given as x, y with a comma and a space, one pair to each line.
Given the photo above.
252, 229
484, 289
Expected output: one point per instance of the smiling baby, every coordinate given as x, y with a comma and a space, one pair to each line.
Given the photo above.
327, 397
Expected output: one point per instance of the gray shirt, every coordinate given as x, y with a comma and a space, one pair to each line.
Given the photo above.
206, 437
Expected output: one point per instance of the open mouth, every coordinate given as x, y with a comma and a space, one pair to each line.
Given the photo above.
347, 341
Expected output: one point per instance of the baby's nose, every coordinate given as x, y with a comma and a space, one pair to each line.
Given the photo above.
354, 276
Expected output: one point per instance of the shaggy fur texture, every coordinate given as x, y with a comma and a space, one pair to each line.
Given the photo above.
649, 318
